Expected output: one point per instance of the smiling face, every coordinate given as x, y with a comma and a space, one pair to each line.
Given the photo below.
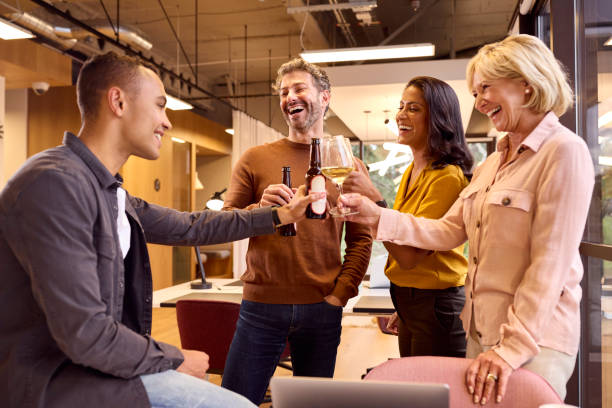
301, 102
413, 119
502, 100
145, 117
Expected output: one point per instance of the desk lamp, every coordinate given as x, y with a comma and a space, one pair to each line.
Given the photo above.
216, 201
202, 284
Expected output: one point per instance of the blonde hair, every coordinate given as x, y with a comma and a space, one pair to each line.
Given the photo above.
525, 57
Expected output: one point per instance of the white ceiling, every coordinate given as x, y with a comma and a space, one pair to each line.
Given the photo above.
378, 88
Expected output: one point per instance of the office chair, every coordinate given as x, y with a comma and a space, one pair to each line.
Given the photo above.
208, 326
525, 388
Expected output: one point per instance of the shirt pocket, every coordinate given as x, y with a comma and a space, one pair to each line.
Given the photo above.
468, 195
512, 198
105, 246
106, 251
510, 211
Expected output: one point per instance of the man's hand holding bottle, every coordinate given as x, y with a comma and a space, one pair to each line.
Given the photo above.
294, 209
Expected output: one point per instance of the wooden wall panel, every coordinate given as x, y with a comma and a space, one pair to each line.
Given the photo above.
139, 176
209, 136
23, 62
49, 115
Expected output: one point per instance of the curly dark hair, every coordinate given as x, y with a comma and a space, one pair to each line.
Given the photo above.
319, 76
446, 142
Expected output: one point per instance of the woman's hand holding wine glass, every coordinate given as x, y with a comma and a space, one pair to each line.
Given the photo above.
337, 164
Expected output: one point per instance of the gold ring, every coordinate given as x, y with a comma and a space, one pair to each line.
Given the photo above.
492, 377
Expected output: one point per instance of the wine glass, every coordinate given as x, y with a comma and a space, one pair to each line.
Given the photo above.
337, 164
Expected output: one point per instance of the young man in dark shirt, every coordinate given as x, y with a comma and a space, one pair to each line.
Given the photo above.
75, 287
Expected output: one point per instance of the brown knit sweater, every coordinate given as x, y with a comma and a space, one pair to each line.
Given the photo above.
305, 268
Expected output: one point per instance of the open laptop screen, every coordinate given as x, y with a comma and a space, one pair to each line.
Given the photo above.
308, 392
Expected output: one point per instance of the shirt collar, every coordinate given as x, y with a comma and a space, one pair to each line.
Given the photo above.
105, 178
537, 137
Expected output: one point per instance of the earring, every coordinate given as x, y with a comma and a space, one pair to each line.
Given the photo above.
527, 91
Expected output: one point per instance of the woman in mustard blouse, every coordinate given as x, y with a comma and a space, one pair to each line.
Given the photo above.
426, 286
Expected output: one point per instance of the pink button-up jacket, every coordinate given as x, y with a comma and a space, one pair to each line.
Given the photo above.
524, 221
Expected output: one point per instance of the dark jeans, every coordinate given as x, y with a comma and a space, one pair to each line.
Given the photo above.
262, 331
429, 323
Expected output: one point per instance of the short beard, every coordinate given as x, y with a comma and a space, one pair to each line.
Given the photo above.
314, 111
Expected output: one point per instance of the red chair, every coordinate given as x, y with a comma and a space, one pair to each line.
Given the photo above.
525, 388
208, 326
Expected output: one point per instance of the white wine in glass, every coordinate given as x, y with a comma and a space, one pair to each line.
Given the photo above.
337, 164
337, 174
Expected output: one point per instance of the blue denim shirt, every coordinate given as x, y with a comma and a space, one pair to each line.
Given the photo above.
75, 317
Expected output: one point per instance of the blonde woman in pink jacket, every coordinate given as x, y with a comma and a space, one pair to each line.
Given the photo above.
523, 214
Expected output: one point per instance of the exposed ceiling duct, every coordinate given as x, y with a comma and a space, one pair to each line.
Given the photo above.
126, 35
44, 29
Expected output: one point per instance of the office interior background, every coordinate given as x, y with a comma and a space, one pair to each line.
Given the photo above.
221, 59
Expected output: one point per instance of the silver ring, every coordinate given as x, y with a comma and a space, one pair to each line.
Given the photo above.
492, 377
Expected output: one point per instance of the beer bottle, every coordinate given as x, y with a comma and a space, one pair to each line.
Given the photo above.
315, 181
289, 229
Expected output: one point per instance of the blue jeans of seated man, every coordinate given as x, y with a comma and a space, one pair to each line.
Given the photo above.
262, 331
171, 389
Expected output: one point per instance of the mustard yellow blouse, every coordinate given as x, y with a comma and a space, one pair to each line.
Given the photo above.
433, 193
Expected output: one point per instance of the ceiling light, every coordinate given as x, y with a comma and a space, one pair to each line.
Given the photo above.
392, 126
230, 131
370, 53
609, 42
390, 146
394, 158
353, 4
177, 104
605, 161
604, 119
10, 31
177, 140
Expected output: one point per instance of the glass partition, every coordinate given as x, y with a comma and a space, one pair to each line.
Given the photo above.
593, 83
597, 111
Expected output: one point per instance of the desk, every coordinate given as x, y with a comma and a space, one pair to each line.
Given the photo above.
367, 302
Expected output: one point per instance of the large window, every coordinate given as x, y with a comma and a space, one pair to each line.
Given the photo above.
596, 115
387, 163
589, 61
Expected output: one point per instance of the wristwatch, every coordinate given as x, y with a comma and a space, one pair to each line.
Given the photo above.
382, 203
275, 218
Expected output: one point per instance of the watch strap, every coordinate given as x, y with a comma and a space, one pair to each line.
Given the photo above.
382, 203
275, 217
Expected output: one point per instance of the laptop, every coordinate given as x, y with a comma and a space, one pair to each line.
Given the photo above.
310, 392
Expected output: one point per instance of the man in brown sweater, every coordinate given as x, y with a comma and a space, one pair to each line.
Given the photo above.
294, 287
